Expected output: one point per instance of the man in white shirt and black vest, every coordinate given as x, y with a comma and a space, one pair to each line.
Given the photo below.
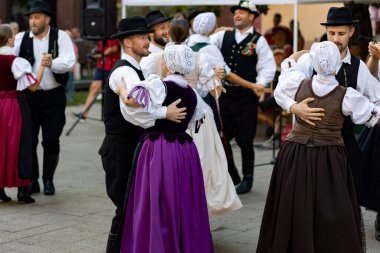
121, 137
159, 23
247, 54
53, 48
352, 72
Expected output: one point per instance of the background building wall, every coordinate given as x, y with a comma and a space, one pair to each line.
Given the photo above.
68, 14
309, 16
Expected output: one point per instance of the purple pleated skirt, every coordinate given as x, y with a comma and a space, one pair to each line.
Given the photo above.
166, 209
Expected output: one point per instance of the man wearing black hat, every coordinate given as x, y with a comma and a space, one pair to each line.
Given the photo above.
351, 73
54, 49
159, 23
121, 137
248, 55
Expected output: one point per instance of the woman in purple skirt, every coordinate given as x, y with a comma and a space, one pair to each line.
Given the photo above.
166, 210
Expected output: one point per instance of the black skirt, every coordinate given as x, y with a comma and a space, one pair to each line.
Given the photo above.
311, 205
369, 192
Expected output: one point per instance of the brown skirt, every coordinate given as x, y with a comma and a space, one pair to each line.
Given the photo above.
311, 205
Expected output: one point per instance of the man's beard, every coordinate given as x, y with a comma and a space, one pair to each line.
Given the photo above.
142, 52
39, 30
159, 40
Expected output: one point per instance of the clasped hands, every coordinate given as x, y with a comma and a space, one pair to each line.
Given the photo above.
173, 113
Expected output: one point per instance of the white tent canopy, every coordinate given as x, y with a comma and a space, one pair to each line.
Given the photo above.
227, 2
177, 2
234, 2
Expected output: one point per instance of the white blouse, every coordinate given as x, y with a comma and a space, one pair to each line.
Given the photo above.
355, 105
21, 69
209, 58
367, 84
151, 93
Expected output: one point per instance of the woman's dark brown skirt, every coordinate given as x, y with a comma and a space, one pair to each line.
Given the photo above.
311, 205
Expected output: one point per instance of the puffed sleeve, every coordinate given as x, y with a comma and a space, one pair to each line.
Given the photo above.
209, 58
22, 72
289, 81
150, 94
359, 108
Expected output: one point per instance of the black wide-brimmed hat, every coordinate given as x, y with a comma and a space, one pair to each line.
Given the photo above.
39, 7
246, 5
339, 16
132, 25
156, 17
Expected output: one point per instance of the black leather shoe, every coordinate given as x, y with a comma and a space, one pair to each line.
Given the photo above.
3, 196
34, 187
23, 196
49, 188
377, 227
244, 187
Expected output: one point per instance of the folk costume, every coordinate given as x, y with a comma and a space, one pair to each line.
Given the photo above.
311, 204
166, 208
249, 56
220, 191
121, 137
48, 103
15, 121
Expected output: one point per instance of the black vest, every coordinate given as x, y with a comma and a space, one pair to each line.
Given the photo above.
26, 52
113, 119
242, 65
348, 77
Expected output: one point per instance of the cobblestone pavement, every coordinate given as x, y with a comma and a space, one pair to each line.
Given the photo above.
78, 217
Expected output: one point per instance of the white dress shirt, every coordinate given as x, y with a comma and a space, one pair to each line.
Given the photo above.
20, 68
354, 104
265, 67
63, 63
367, 84
133, 115
151, 64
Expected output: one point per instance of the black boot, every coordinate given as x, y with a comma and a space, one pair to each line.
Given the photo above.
34, 187
246, 185
49, 166
112, 245
23, 196
3, 196
377, 227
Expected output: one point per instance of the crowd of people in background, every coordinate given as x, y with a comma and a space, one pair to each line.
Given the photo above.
176, 93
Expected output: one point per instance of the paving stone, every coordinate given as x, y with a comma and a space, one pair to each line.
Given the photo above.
77, 219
